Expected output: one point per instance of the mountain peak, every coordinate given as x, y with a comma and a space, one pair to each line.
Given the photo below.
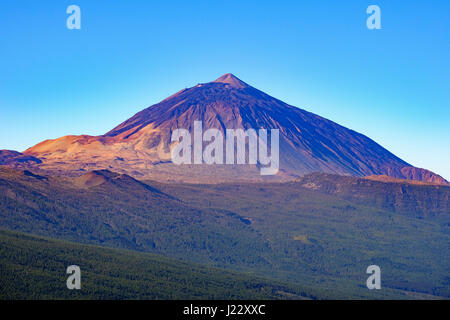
232, 80
142, 145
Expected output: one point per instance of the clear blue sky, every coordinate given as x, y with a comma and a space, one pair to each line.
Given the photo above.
390, 84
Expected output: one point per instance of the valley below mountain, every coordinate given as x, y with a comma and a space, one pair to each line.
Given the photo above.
319, 232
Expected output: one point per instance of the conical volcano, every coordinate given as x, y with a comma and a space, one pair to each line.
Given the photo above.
141, 145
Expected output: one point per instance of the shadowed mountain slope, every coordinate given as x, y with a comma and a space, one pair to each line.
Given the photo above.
8, 157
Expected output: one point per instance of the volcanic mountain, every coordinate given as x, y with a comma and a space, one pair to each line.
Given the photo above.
141, 145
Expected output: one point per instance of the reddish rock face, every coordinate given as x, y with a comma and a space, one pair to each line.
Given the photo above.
140, 146
412, 173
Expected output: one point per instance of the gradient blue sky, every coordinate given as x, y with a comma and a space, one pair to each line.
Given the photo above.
391, 84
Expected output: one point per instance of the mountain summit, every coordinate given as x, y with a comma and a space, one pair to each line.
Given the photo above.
141, 145
232, 80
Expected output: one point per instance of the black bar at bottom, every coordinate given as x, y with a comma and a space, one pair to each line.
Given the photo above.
219, 309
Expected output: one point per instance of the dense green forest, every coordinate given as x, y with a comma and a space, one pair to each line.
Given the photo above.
35, 268
321, 232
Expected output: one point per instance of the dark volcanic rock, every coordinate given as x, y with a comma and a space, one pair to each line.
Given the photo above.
8, 157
